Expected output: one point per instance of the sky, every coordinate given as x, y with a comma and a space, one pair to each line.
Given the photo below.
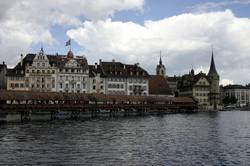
134, 31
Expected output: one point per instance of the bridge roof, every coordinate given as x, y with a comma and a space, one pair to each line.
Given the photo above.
32, 95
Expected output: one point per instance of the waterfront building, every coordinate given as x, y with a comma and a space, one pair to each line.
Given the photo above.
3, 79
49, 73
240, 92
16, 77
170, 82
159, 86
197, 86
72, 73
97, 79
125, 79
116, 78
204, 88
40, 72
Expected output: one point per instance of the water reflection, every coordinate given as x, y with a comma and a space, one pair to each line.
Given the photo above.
179, 139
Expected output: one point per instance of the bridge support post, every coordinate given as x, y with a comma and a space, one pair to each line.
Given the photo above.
25, 116
75, 114
52, 115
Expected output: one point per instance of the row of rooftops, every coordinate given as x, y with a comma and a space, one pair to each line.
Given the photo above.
235, 87
105, 69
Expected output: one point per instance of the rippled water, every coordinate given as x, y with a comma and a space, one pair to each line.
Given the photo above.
221, 138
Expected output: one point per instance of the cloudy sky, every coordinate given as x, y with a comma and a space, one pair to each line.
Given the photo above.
134, 31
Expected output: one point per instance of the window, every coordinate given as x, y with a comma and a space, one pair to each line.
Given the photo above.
43, 64
61, 85
101, 87
94, 81
27, 71
94, 87
130, 87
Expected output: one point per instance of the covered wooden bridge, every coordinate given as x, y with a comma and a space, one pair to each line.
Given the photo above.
23, 101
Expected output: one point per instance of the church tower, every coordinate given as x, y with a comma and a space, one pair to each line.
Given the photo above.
160, 69
214, 87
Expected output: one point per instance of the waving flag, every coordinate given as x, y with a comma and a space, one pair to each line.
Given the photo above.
68, 43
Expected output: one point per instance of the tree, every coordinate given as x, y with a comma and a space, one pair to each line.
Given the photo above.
229, 100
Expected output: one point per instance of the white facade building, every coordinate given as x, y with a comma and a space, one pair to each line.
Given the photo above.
69, 74
241, 93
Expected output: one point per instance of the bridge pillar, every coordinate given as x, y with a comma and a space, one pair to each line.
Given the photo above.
52, 115
25, 116
75, 114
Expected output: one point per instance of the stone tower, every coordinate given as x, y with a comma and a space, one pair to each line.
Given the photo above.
160, 69
214, 87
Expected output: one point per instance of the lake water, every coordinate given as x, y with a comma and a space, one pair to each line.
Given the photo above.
218, 138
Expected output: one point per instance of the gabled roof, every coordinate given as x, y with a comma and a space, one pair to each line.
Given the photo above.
118, 69
187, 81
158, 85
96, 69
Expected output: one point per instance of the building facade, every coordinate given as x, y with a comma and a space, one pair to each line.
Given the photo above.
70, 74
116, 78
204, 88
49, 73
239, 92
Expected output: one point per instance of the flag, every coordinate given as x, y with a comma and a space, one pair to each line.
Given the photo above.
68, 43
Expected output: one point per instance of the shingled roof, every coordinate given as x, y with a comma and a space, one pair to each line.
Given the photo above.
158, 85
54, 60
187, 81
118, 69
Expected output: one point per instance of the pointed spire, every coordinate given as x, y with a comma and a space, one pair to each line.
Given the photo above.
212, 70
160, 62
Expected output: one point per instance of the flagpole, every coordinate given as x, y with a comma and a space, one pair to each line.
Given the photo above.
70, 44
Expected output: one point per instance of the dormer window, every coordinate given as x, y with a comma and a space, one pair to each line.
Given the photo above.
38, 64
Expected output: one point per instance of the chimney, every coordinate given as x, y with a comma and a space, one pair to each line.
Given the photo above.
3, 63
95, 65
21, 59
100, 61
113, 60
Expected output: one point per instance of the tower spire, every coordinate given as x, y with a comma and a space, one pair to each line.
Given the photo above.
212, 69
160, 62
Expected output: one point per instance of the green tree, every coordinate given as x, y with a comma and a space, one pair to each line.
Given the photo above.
229, 100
